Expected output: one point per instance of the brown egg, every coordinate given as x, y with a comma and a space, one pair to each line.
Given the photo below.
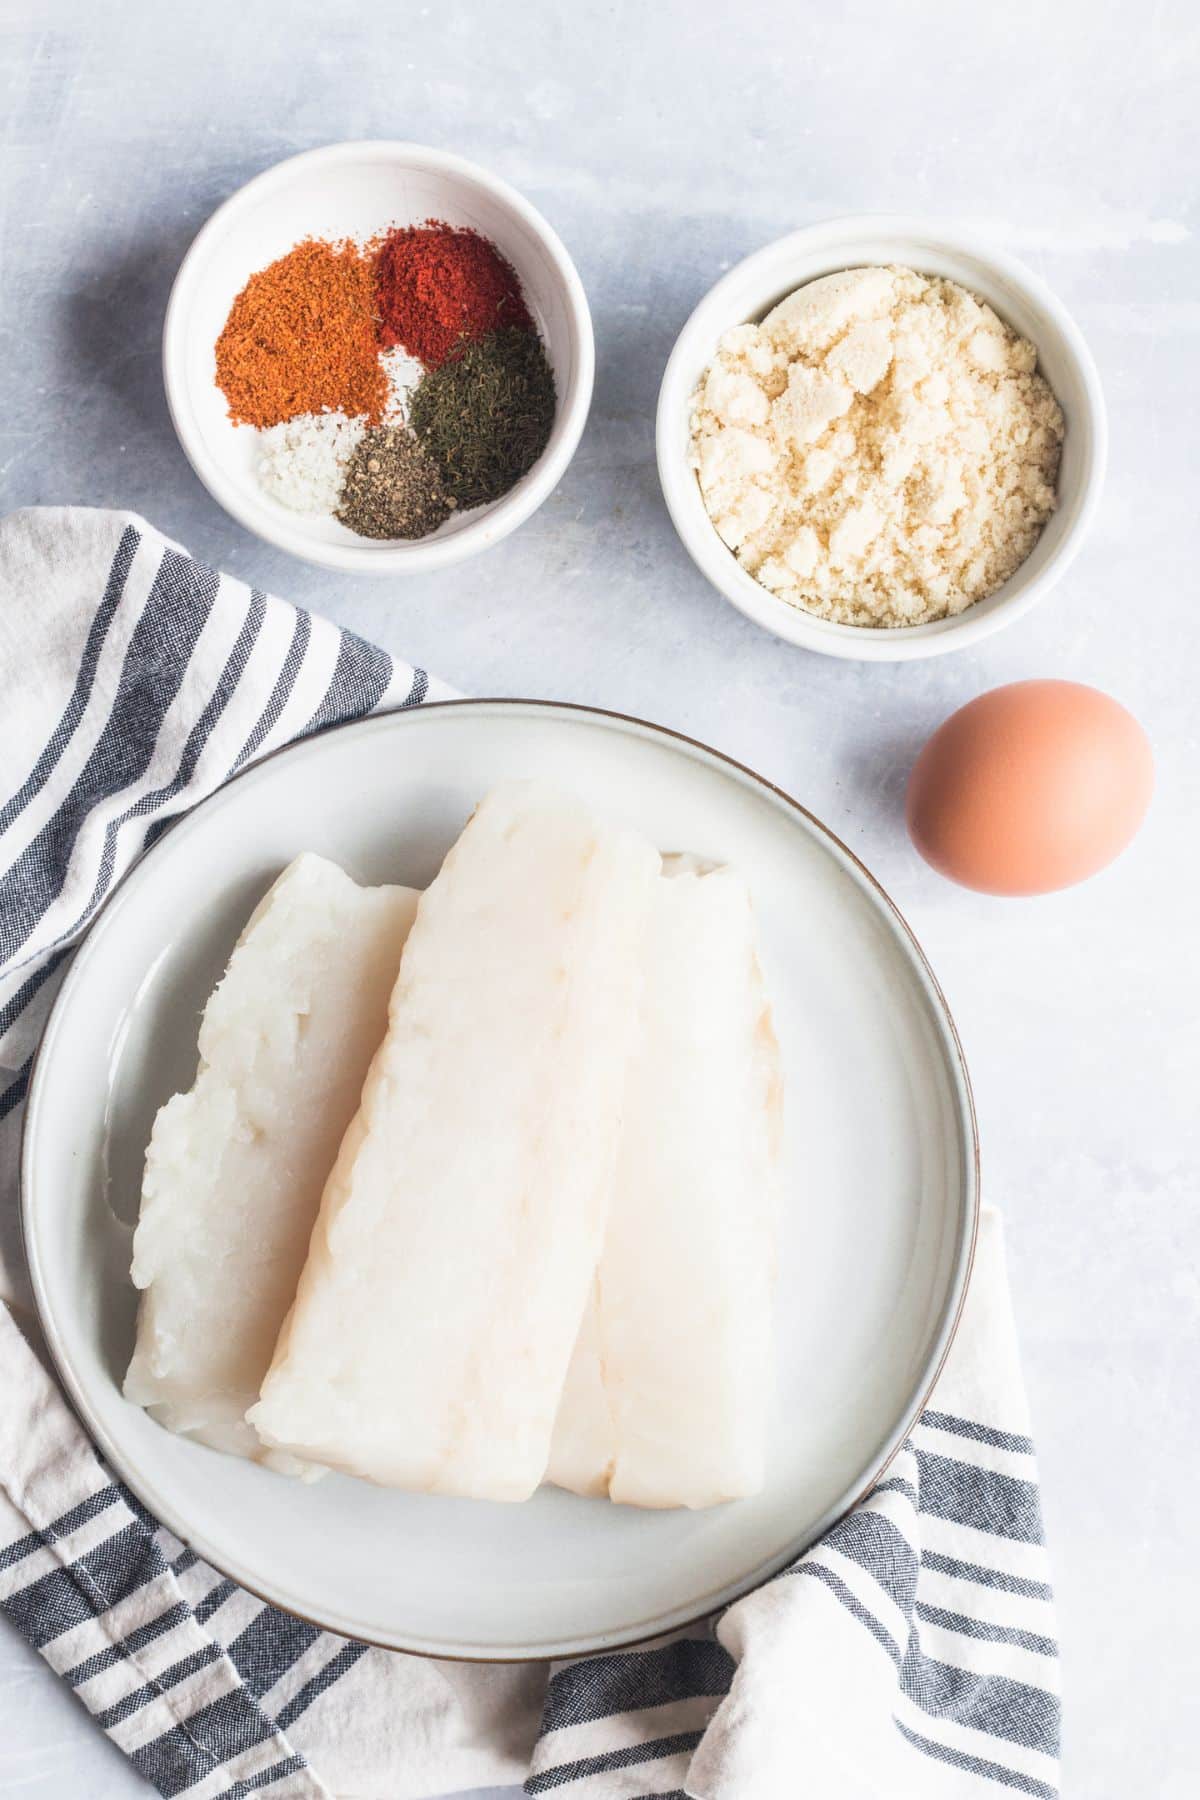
1030, 787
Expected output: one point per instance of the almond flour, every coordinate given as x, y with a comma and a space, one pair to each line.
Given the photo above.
880, 451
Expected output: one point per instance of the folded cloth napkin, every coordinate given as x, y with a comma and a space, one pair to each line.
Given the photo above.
910, 1653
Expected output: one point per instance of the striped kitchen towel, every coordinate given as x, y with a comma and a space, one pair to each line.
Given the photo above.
911, 1653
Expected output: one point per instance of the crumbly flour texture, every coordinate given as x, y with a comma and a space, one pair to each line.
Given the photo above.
880, 450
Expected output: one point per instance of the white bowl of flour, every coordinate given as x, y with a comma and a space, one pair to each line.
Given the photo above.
878, 469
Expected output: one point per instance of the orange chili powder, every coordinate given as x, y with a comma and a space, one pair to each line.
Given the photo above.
300, 337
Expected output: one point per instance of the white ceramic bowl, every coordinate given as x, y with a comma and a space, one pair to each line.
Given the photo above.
754, 286
878, 1192
358, 190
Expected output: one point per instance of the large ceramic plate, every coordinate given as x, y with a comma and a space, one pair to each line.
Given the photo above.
880, 1184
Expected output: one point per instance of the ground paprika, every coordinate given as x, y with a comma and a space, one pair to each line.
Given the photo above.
300, 338
438, 286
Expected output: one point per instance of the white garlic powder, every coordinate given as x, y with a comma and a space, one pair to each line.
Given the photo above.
881, 450
302, 462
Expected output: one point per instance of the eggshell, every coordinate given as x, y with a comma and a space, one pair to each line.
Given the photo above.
1030, 787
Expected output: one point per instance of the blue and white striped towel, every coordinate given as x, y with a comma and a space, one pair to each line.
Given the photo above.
911, 1653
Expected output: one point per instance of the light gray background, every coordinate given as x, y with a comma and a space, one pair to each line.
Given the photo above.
665, 141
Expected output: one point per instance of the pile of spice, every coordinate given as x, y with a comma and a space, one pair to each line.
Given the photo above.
391, 383
486, 411
391, 488
300, 338
437, 287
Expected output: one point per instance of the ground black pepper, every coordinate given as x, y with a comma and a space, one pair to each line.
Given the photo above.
392, 489
486, 414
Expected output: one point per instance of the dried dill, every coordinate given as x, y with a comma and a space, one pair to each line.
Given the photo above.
485, 416
391, 488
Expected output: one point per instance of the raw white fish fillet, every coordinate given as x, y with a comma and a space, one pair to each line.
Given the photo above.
666, 1400
235, 1168
461, 1226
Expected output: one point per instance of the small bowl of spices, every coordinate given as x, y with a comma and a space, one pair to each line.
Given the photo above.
379, 357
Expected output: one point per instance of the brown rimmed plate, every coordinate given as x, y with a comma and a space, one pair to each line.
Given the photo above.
880, 1184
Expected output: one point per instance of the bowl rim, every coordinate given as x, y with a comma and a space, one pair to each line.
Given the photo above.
408, 557
696, 531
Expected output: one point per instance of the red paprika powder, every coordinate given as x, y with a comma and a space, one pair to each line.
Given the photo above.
439, 285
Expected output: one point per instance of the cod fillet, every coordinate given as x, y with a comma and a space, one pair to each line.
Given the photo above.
665, 1403
235, 1168
462, 1223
